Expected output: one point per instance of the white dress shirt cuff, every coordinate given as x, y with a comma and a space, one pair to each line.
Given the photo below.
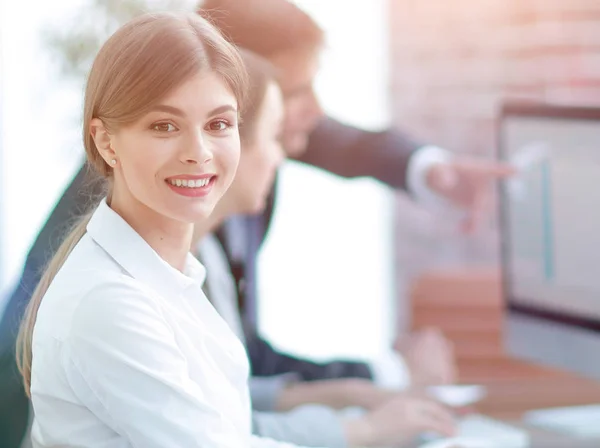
265, 390
390, 371
418, 166
306, 426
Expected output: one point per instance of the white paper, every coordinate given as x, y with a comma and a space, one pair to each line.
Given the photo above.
457, 396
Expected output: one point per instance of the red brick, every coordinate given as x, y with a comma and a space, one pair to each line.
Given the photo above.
584, 66
563, 6
589, 96
572, 33
553, 68
533, 93
466, 56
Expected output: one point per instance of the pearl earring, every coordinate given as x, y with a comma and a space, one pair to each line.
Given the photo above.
113, 162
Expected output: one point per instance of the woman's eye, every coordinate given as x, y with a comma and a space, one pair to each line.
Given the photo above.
218, 125
164, 127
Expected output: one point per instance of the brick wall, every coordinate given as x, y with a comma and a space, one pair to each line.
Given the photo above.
452, 61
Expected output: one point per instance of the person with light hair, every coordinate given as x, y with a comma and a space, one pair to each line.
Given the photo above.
314, 414
119, 346
290, 40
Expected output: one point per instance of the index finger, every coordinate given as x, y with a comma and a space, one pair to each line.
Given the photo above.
498, 169
438, 418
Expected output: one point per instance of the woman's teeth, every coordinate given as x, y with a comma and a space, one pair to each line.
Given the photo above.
190, 183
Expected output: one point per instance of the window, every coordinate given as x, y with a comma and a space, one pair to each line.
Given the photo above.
328, 261
40, 134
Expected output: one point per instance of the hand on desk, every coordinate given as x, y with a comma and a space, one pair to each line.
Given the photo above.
337, 394
429, 357
390, 417
399, 420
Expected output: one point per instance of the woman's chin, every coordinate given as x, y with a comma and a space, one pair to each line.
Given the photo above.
196, 213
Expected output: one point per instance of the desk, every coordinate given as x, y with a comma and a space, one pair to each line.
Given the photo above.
467, 305
508, 399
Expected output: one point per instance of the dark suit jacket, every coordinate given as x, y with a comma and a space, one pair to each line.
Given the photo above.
82, 193
338, 148
342, 150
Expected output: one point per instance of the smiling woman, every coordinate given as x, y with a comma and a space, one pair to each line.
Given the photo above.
109, 348
224, 123
190, 137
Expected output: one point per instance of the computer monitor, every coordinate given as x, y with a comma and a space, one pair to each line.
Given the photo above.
550, 234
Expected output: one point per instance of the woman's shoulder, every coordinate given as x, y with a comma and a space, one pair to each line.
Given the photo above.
95, 303
90, 286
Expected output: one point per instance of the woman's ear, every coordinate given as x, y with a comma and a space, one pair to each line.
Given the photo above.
102, 140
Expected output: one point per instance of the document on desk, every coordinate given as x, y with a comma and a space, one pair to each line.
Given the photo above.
459, 442
579, 421
457, 396
500, 434
482, 431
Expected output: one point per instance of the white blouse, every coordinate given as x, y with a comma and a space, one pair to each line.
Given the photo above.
128, 352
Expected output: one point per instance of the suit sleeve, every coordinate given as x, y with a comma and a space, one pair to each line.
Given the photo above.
351, 152
83, 192
267, 361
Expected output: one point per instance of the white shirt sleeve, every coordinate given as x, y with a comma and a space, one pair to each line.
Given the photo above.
418, 165
390, 371
310, 425
263, 442
122, 361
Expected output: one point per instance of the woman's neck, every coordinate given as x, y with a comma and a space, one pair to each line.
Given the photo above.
169, 238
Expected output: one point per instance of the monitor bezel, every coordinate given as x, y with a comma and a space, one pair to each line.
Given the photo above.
527, 109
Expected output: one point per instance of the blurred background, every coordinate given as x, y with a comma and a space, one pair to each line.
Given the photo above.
439, 68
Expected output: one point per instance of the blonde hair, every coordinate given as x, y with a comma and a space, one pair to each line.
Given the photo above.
137, 66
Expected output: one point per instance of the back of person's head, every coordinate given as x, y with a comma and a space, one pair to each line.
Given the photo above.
261, 73
265, 27
290, 39
261, 138
260, 134
141, 63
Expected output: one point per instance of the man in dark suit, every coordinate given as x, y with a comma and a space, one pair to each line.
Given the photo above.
290, 39
279, 31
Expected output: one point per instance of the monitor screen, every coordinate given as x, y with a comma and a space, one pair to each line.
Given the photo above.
551, 212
